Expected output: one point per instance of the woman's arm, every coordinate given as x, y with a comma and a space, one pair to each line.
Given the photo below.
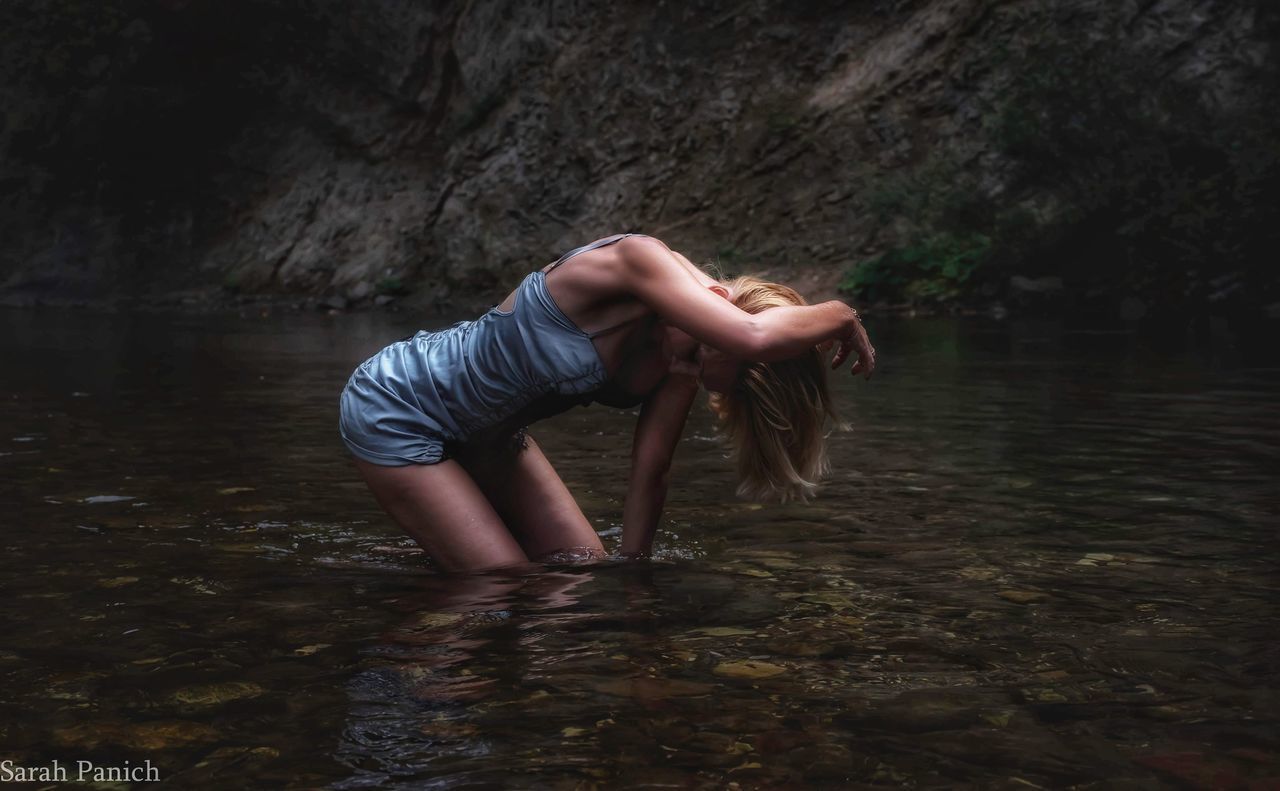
651, 272
658, 431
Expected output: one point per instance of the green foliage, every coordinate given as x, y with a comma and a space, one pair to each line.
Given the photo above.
1144, 187
391, 286
932, 269
1162, 193
938, 194
947, 244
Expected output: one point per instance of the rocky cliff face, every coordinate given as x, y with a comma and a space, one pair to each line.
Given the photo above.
439, 149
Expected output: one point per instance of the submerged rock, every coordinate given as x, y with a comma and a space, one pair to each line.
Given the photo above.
143, 736
750, 669
721, 631
217, 694
116, 582
1022, 597
650, 688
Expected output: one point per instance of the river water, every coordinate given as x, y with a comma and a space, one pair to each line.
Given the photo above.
1045, 558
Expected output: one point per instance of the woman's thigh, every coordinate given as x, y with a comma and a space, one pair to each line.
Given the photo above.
443, 509
532, 500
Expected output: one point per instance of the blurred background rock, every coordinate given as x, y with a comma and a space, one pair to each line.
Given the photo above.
1116, 159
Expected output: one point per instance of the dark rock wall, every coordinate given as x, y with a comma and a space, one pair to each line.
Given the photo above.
440, 148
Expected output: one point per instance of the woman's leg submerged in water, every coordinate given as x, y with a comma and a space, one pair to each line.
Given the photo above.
485, 510
529, 496
443, 509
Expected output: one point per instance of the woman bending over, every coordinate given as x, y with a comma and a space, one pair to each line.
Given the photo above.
437, 421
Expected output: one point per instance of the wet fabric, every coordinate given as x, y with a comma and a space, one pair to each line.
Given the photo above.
419, 398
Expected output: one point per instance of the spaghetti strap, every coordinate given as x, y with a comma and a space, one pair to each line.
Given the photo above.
605, 242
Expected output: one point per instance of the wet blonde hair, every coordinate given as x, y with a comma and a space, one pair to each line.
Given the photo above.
775, 417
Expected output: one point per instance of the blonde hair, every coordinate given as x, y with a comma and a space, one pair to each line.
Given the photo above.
775, 417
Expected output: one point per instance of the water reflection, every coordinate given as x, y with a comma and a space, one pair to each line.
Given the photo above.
1046, 558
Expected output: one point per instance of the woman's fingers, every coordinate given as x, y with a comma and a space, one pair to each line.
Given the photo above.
866, 363
841, 355
860, 343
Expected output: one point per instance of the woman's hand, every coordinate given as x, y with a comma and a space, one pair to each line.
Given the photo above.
856, 340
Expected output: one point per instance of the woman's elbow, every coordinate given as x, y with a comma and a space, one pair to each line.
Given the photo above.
762, 345
754, 344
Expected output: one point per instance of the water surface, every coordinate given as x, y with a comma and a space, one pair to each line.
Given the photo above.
1045, 558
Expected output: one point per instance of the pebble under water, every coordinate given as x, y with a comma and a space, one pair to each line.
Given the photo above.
1044, 559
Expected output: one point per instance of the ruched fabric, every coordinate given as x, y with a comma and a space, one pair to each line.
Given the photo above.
410, 402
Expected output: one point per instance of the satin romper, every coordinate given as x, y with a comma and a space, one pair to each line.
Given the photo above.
420, 399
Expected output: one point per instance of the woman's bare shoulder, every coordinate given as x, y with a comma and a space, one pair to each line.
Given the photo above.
638, 242
648, 245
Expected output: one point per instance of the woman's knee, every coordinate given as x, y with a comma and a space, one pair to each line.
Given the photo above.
443, 509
